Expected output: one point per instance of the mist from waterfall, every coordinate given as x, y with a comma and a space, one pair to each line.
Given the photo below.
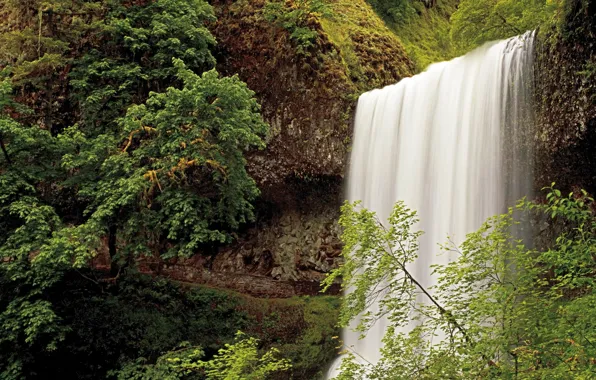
454, 144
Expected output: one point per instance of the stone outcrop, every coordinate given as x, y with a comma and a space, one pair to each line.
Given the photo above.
566, 100
308, 94
297, 241
307, 89
286, 253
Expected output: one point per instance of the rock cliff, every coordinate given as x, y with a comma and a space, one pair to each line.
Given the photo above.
308, 69
566, 101
308, 89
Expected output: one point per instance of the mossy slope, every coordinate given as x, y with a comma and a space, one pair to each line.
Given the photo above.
372, 55
423, 27
308, 62
427, 36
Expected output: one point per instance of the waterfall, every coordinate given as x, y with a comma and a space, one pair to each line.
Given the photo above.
453, 143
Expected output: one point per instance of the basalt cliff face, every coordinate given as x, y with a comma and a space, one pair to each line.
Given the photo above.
307, 89
566, 101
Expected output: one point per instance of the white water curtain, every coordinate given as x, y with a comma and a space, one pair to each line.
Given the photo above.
453, 143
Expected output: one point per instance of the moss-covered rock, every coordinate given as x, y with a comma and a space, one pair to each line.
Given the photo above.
423, 26
566, 100
307, 83
372, 55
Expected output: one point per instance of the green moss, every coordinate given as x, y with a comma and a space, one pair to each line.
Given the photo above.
425, 32
427, 36
344, 32
372, 54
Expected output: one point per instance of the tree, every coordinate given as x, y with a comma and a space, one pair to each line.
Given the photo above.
128, 135
31, 260
175, 178
479, 21
133, 56
505, 310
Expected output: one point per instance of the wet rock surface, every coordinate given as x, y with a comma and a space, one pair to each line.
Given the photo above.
308, 97
287, 252
566, 103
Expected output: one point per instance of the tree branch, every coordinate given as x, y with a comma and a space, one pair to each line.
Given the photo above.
403, 268
444, 312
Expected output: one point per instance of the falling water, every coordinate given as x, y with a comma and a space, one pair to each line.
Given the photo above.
453, 143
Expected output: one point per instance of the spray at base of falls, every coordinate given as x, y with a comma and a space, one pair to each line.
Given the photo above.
454, 143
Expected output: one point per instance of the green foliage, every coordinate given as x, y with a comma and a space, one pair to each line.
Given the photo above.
131, 324
500, 310
135, 53
427, 37
116, 325
30, 262
316, 344
178, 179
240, 360
447, 28
111, 126
371, 54
396, 12
477, 22
298, 18
180, 173
422, 26
367, 239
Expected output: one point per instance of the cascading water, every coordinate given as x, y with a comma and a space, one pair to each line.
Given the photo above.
453, 143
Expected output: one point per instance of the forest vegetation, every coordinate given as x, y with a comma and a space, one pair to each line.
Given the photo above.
118, 133
508, 306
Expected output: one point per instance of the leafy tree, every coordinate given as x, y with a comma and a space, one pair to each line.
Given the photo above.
176, 177
479, 21
504, 310
133, 56
154, 155
160, 190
